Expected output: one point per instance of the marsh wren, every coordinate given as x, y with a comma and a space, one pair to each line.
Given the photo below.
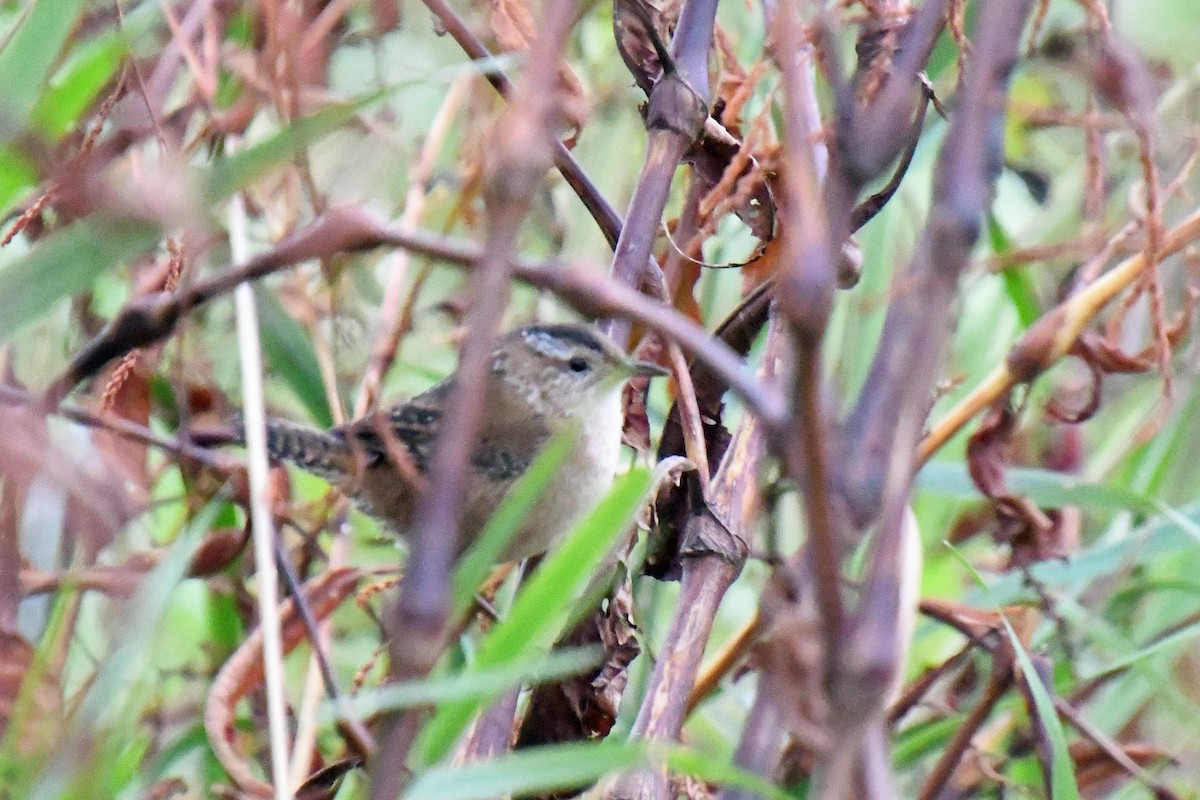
545, 380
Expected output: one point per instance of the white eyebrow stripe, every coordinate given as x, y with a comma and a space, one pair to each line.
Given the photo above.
546, 343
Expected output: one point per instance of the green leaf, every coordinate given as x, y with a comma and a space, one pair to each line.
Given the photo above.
27, 58
67, 262
1173, 532
105, 694
479, 559
471, 685
561, 767
537, 770
1018, 284
923, 738
290, 354
1166, 643
1046, 488
715, 770
1062, 769
19, 175
543, 608
60, 107
246, 166
1019, 288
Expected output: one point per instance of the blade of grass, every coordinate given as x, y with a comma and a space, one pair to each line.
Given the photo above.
1045, 487
1160, 536
504, 523
563, 767
27, 58
1167, 642
544, 607
235, 172
127, 662
238, 170
537, 770
66, 262
1062, 769
470, 685
290, 353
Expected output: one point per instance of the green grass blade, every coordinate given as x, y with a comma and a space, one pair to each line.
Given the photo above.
538, 770
1175, 639
28, 57
290, 354
471, 685
65, 263
715, 770
1062, 769
543, 608
127, 663
479, 559
77, 86
246, 166
1045, 487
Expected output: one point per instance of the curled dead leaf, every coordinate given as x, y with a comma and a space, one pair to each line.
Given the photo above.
243, 671
1031, 533
641, 30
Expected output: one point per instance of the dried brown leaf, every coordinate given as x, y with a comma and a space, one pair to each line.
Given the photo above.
218, 551
127, 397
641, 29
987, 450
636, 432
1096, 770
585, 707
243, 671
731, 177
1031, 533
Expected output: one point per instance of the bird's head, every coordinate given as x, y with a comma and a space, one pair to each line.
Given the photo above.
565, 370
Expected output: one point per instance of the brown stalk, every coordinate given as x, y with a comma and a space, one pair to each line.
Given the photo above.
602, 212
1111, 749
1051, 338
519, 146
147, 319
998, 684
676, 110
859, 652
894, 401
895, 396
804, 293
712, 554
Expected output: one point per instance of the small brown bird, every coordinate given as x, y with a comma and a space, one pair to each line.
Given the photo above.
544, 379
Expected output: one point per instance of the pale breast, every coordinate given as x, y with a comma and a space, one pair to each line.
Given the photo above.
579, 484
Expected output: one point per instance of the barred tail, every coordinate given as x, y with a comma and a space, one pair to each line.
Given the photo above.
324, 454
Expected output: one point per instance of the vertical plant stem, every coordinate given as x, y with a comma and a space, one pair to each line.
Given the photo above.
262, 525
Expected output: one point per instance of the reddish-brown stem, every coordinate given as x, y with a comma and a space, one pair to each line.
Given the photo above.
602, 212
149, 318
998, 685
520, 154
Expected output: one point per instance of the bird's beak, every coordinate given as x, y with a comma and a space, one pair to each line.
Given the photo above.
646, 368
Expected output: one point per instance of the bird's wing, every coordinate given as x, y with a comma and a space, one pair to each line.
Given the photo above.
414, 424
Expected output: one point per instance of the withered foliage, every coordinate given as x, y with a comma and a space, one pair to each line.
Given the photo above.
827, 209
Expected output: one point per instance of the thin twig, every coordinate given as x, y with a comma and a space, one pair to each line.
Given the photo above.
147, 319
1051, 338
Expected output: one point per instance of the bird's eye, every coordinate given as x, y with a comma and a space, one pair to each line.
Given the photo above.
579, 365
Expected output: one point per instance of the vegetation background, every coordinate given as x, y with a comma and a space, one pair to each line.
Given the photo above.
147, 147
